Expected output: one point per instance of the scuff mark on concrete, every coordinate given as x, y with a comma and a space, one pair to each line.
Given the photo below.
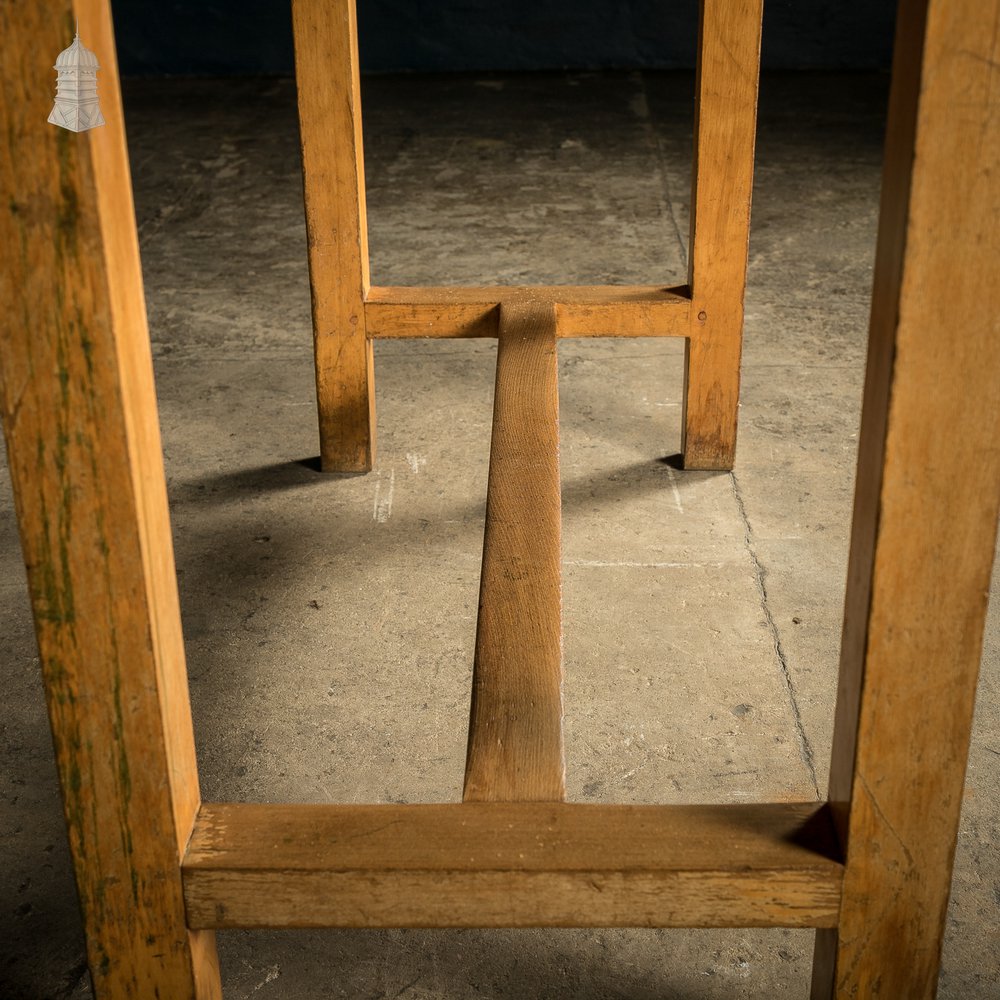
383, 499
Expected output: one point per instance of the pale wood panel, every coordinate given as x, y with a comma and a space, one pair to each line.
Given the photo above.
515, 729
581, 311
79, 416
329, 97
512, 864
725, 130
926, 507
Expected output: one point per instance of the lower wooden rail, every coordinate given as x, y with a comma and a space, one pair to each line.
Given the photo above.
512, 865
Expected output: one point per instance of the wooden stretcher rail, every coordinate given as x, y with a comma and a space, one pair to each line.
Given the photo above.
581, 311
515, 728
512, 865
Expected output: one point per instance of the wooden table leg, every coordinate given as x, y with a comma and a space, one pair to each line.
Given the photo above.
926, 507
725, 129
326, 70
79, 416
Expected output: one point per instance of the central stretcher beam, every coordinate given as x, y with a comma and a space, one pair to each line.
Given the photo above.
515, 730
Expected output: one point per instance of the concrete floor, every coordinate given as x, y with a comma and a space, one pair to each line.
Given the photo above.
330, 621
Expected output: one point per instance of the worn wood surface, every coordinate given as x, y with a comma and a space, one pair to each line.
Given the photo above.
78, 409
725, 130
581, 310
926, 506
329, 97
515, 729
512, 865
79, 418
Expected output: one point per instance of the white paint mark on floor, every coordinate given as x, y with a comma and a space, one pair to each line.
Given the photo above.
383, 498
269, 977
673, 489
415, 461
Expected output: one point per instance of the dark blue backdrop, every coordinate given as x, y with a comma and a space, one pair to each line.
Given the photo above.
254, 36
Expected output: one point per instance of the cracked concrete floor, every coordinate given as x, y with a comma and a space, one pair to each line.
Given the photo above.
330, 621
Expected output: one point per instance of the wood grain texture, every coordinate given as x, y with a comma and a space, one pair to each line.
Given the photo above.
512, 865
926, 506
515, 728
581, 311
329, 98
79, 417
725, 130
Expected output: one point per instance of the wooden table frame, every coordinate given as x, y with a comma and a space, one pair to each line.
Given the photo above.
158, 869
349, 314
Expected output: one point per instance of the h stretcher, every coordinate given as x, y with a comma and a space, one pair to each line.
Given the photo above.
159, 870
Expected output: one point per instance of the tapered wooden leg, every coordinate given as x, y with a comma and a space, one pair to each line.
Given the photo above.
926, 507
329, 93
725, 128
79, 416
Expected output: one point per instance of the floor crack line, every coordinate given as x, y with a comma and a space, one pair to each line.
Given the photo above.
805, 747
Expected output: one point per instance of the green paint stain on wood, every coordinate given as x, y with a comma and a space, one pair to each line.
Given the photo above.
88, 346
46, 595
51, 577
65, 474
68, 208
69, 745
74, 800
124, 775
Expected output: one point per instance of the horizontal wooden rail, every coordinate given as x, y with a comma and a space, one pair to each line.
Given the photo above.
515, 728
581, 311
525, 864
